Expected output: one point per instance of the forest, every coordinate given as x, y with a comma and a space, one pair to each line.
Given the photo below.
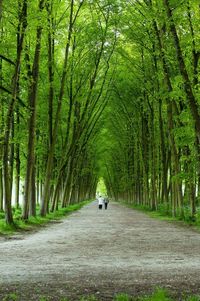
99, 89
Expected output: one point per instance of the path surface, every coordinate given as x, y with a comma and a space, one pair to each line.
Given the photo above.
102, 253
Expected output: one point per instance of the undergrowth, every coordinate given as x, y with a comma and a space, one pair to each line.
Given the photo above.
165, 213
32, 222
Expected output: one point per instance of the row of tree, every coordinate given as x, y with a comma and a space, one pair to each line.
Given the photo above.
99, 88
154, 157
54, 85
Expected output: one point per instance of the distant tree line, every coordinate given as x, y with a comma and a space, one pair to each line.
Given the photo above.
154, 157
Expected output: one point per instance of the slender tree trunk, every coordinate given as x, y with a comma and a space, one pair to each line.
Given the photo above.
17, 176
195, 53
192, 199
32, 121
170, 105
50, 69
182, 67
55, 196
32, 207
17, 155
1, 131
11, 159
46, 192
163, 156
8, 124
1, 190
68, 183
153, 162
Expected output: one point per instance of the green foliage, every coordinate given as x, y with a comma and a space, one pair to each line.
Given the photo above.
101, 188
195, 298
5, 228
125, 118
197, 216
122, 297
158, 295
11, 297
2, 215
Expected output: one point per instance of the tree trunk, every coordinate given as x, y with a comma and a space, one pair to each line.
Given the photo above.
170, 105
8, 125
1, 138
1, 190
193, 104
46, 192
163, 157
11, 159
17, 176
32, 121
50, 70
32, 207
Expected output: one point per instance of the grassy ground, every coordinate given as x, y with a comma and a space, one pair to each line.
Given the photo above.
159, 295
162, 214
35, 222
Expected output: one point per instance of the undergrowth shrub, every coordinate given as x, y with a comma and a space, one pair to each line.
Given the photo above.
2, 215
164, 209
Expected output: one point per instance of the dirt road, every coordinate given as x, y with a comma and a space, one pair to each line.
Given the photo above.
102, 253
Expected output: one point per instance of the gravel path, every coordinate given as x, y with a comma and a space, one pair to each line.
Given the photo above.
102, 253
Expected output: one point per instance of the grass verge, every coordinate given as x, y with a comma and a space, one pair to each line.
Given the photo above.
35, 222
158, 295
164, 216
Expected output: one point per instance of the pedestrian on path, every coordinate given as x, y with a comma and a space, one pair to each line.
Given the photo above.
106, 201
100, 202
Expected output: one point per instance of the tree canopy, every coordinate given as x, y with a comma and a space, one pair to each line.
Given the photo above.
95, 90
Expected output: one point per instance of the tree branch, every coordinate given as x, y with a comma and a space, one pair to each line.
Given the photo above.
9, 92
7, 59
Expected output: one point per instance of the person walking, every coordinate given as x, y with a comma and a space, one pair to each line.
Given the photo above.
100, 202
106, 201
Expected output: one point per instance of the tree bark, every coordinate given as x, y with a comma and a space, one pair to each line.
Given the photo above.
170, 105
164, 157
182, 67
17, 164
1, 190
32, 207
1, 141
46, 192
32, 121
8, 124
50, 69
